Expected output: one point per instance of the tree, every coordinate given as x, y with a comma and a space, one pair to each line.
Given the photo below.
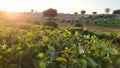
32, 10
116, 11
75, 13
94, 13
107, 10
51, 13
83, 12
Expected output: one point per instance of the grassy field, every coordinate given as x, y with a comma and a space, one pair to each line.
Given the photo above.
103, 26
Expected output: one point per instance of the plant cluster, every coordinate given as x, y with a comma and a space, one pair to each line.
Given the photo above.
46, 47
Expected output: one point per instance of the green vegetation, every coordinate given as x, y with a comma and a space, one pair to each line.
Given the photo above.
51, 23
51, 13
78, 24
35, 46
103, 26
107, 10
40, 43
116, 11
83, 12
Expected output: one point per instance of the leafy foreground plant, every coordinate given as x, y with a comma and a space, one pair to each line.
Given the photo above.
43, 47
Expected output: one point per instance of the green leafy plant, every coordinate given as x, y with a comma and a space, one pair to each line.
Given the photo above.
47, 47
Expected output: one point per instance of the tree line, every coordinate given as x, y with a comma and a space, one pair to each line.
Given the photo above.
51, 13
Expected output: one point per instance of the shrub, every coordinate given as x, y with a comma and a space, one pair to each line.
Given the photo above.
86, 32
51, 23
78, 25
74, 29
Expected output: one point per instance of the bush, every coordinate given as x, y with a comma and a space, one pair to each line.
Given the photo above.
78, 25
51, 23
86, 32
73, 30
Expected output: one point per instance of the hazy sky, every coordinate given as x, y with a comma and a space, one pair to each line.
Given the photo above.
63, 6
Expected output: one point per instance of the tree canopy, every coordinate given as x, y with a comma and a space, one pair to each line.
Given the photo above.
107, 10
83, 12
116, 11
75, 13
32, 10
50, 13
94, 13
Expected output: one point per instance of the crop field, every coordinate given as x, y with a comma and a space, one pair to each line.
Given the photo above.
29, 44
59, 34
103, 26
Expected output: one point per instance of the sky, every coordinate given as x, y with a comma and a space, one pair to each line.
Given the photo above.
62, 6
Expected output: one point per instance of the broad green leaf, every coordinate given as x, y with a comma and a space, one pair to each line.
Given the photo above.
93, 37
66, 51
74, 61
42, 64
40, 55
8, 50
61, 59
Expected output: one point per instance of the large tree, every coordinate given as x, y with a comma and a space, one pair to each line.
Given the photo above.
75, 13
51, 13
116, 11
32, 10
94, 13
107, 10
83, 12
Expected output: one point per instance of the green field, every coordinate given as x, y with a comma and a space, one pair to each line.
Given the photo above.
103, 26
26, 43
